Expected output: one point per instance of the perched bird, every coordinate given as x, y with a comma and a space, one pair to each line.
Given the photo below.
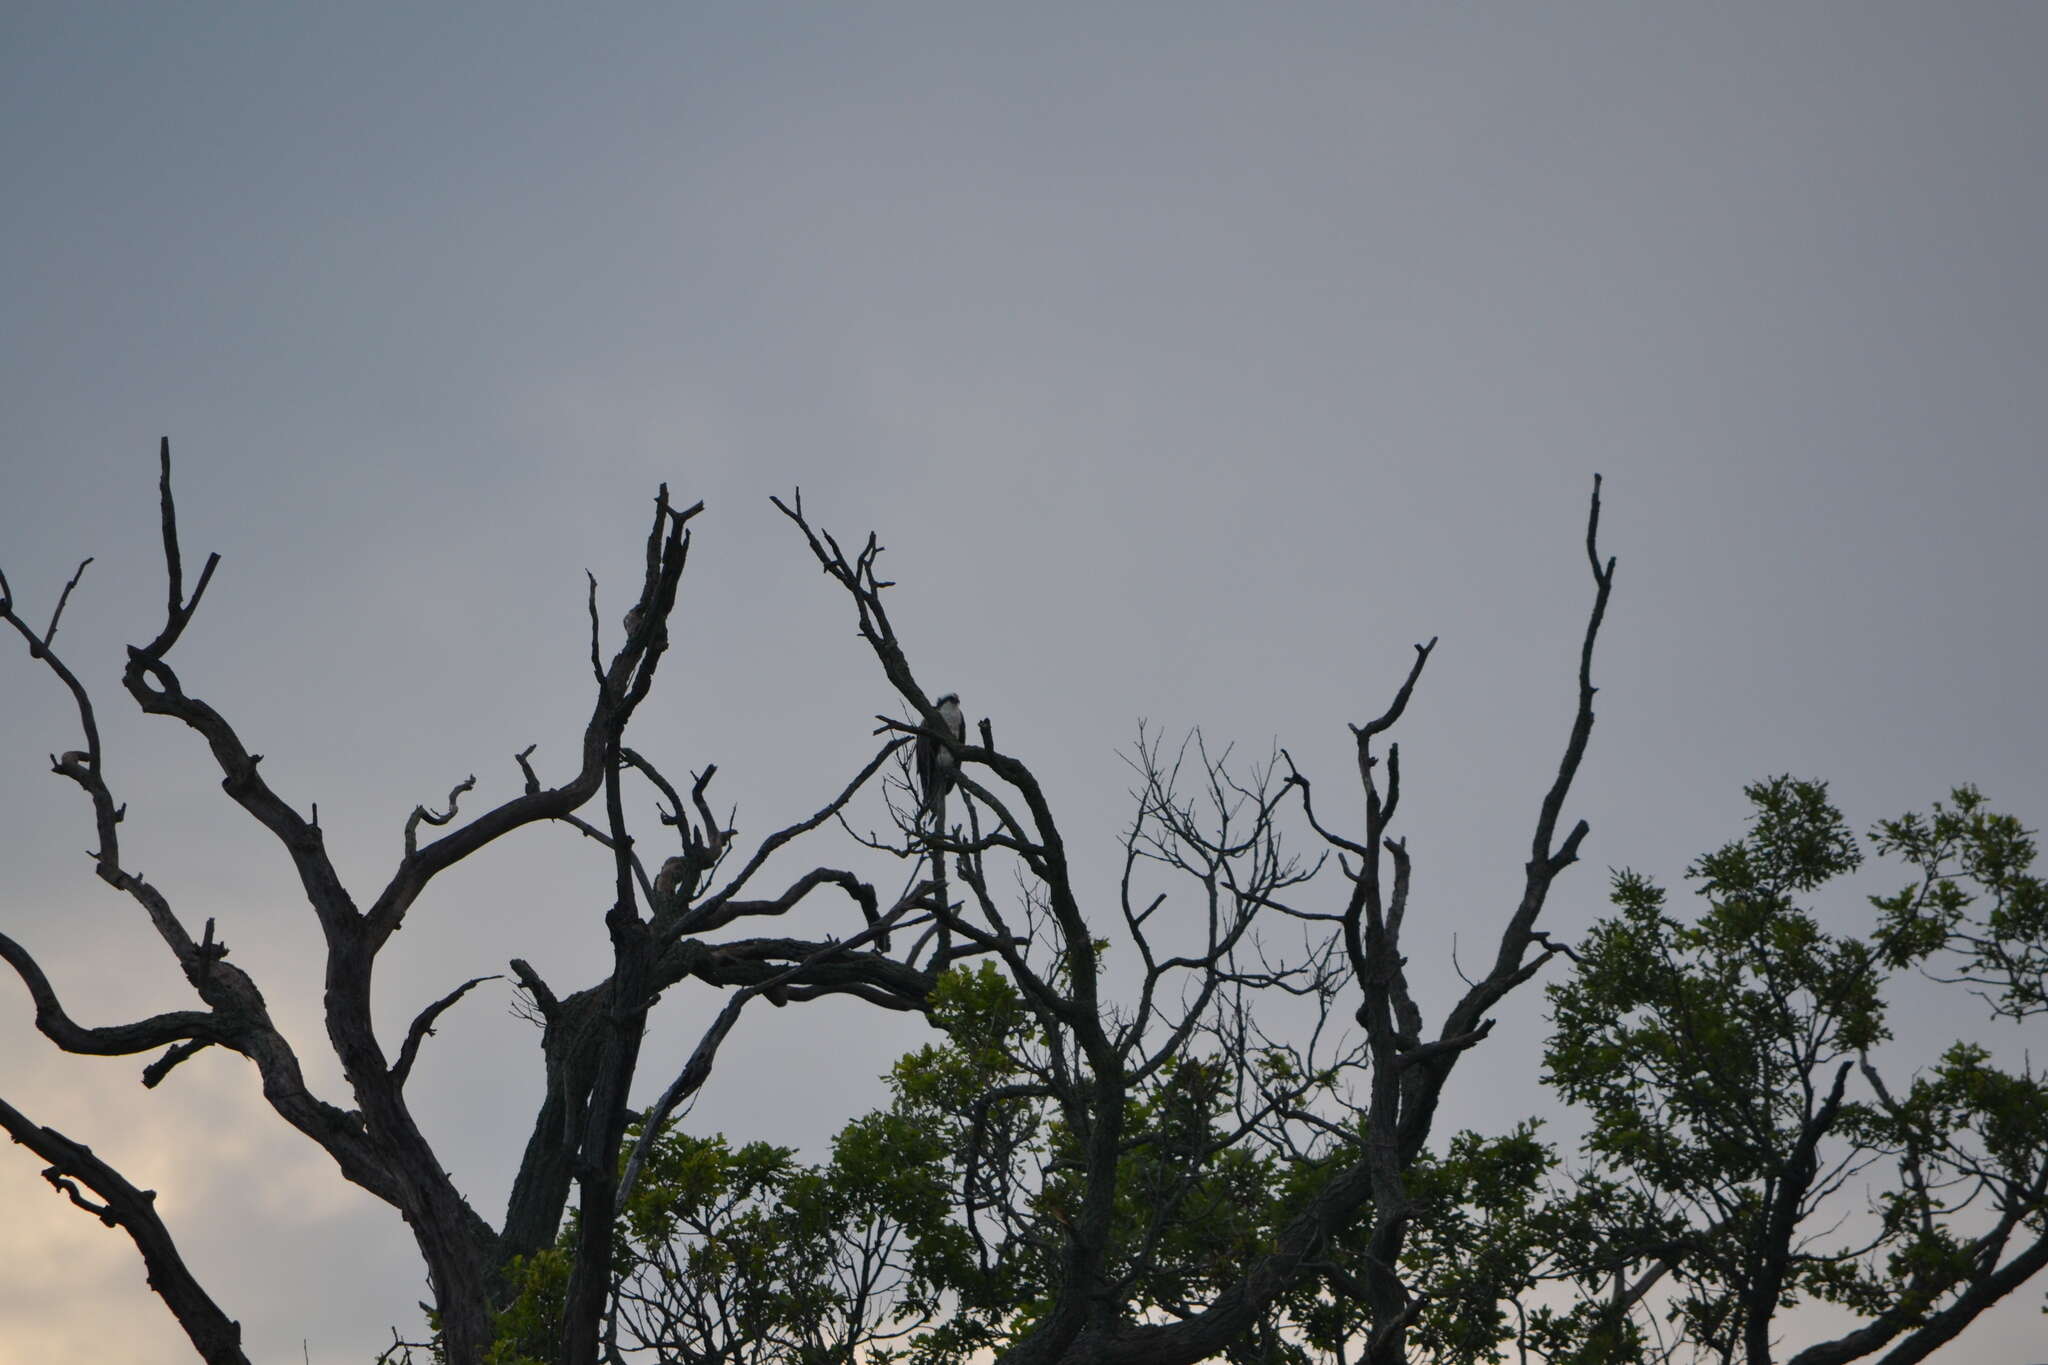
934, 763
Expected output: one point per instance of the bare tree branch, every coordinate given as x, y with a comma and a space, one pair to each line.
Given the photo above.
217, 1337
423, 1024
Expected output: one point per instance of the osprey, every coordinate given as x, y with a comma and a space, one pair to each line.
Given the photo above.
934, 763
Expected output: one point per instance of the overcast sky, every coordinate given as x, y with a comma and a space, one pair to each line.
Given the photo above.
1192, 361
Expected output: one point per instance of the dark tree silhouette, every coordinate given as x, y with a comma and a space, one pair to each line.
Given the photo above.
590, 1037
1067, 1174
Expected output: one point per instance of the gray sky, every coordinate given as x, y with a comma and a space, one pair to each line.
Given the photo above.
1193, 362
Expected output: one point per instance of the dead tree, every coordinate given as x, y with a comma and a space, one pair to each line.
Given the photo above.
1090, 1056
657, 925
1106, 1042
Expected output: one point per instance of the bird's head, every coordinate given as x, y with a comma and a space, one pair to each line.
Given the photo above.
945, 699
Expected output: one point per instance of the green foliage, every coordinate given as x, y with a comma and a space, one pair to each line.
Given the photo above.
749, 1255
1192, 1208
1976, 902
1726, 1066
1479, 1240
529, 1331
1704, 1053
